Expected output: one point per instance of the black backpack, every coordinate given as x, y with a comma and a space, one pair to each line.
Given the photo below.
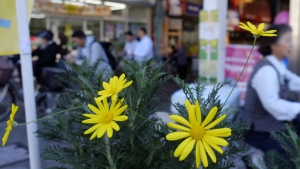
106, 46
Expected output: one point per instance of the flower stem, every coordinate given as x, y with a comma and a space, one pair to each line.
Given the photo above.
242, 70
109, 156
49, 116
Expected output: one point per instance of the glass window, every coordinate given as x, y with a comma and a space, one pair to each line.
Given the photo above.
137, 12
93, 28
37, 25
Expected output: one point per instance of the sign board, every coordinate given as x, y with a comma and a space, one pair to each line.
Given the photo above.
236, 56
192, 9
212, 33
87, 9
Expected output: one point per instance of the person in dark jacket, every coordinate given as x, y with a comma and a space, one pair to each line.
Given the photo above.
179, 56
46, 53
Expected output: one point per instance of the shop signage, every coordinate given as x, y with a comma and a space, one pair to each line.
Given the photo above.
236, 56
192, 9
88, 9
212, 32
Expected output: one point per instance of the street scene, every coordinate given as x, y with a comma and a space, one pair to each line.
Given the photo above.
149, 84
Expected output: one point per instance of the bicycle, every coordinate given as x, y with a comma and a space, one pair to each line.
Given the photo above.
10, 91
7, 96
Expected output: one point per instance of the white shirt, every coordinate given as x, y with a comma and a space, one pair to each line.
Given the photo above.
144, 49
129, 48
266, 84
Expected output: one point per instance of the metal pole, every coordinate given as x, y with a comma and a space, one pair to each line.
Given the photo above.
159, 16
27, 80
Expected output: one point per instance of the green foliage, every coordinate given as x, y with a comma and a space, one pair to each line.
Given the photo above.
140, 143
290, 142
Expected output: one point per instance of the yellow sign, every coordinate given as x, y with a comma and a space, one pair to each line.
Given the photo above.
9, 39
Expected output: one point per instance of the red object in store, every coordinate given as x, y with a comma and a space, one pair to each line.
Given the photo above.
250, 12
236, 56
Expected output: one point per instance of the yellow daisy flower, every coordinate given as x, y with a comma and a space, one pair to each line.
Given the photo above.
10, 123
199, 133
105, 117
114, 86
257, 31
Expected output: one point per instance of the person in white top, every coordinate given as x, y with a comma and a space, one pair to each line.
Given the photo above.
266, 104
144, 49
129, 45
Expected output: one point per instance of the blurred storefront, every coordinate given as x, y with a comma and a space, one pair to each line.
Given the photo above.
106, 20
181, 25
255, 11
239, 41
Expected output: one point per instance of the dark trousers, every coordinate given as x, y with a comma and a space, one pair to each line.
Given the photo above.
182, 71
263, 141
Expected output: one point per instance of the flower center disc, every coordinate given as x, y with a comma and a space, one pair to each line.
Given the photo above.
106, 118
197, 132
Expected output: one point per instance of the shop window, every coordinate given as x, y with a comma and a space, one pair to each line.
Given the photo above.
93, 28
137, 12
37, 25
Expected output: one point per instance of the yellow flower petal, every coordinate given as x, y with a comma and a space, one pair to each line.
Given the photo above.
219, 132
127, 84
106, 86
216, 140
120, 118
197, 154
95, 127
91, 116
242, 24
182, 146
264, 34
105, 104
246, 28
95, 133
270, 31
180, 119
118, 106
214, 146
94, 109
177, 136
203, 154
99, 104
103, 94
102, 130
121, 78
187, 150
198, 112
178, 127
114, 97
14, 109
120, 111
112, 105
261, 27
91, 121
115, 126
210, 152
216, 122
109, 130
251, 26
210, 116
5, 137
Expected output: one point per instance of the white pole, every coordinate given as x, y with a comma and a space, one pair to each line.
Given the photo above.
27, 80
